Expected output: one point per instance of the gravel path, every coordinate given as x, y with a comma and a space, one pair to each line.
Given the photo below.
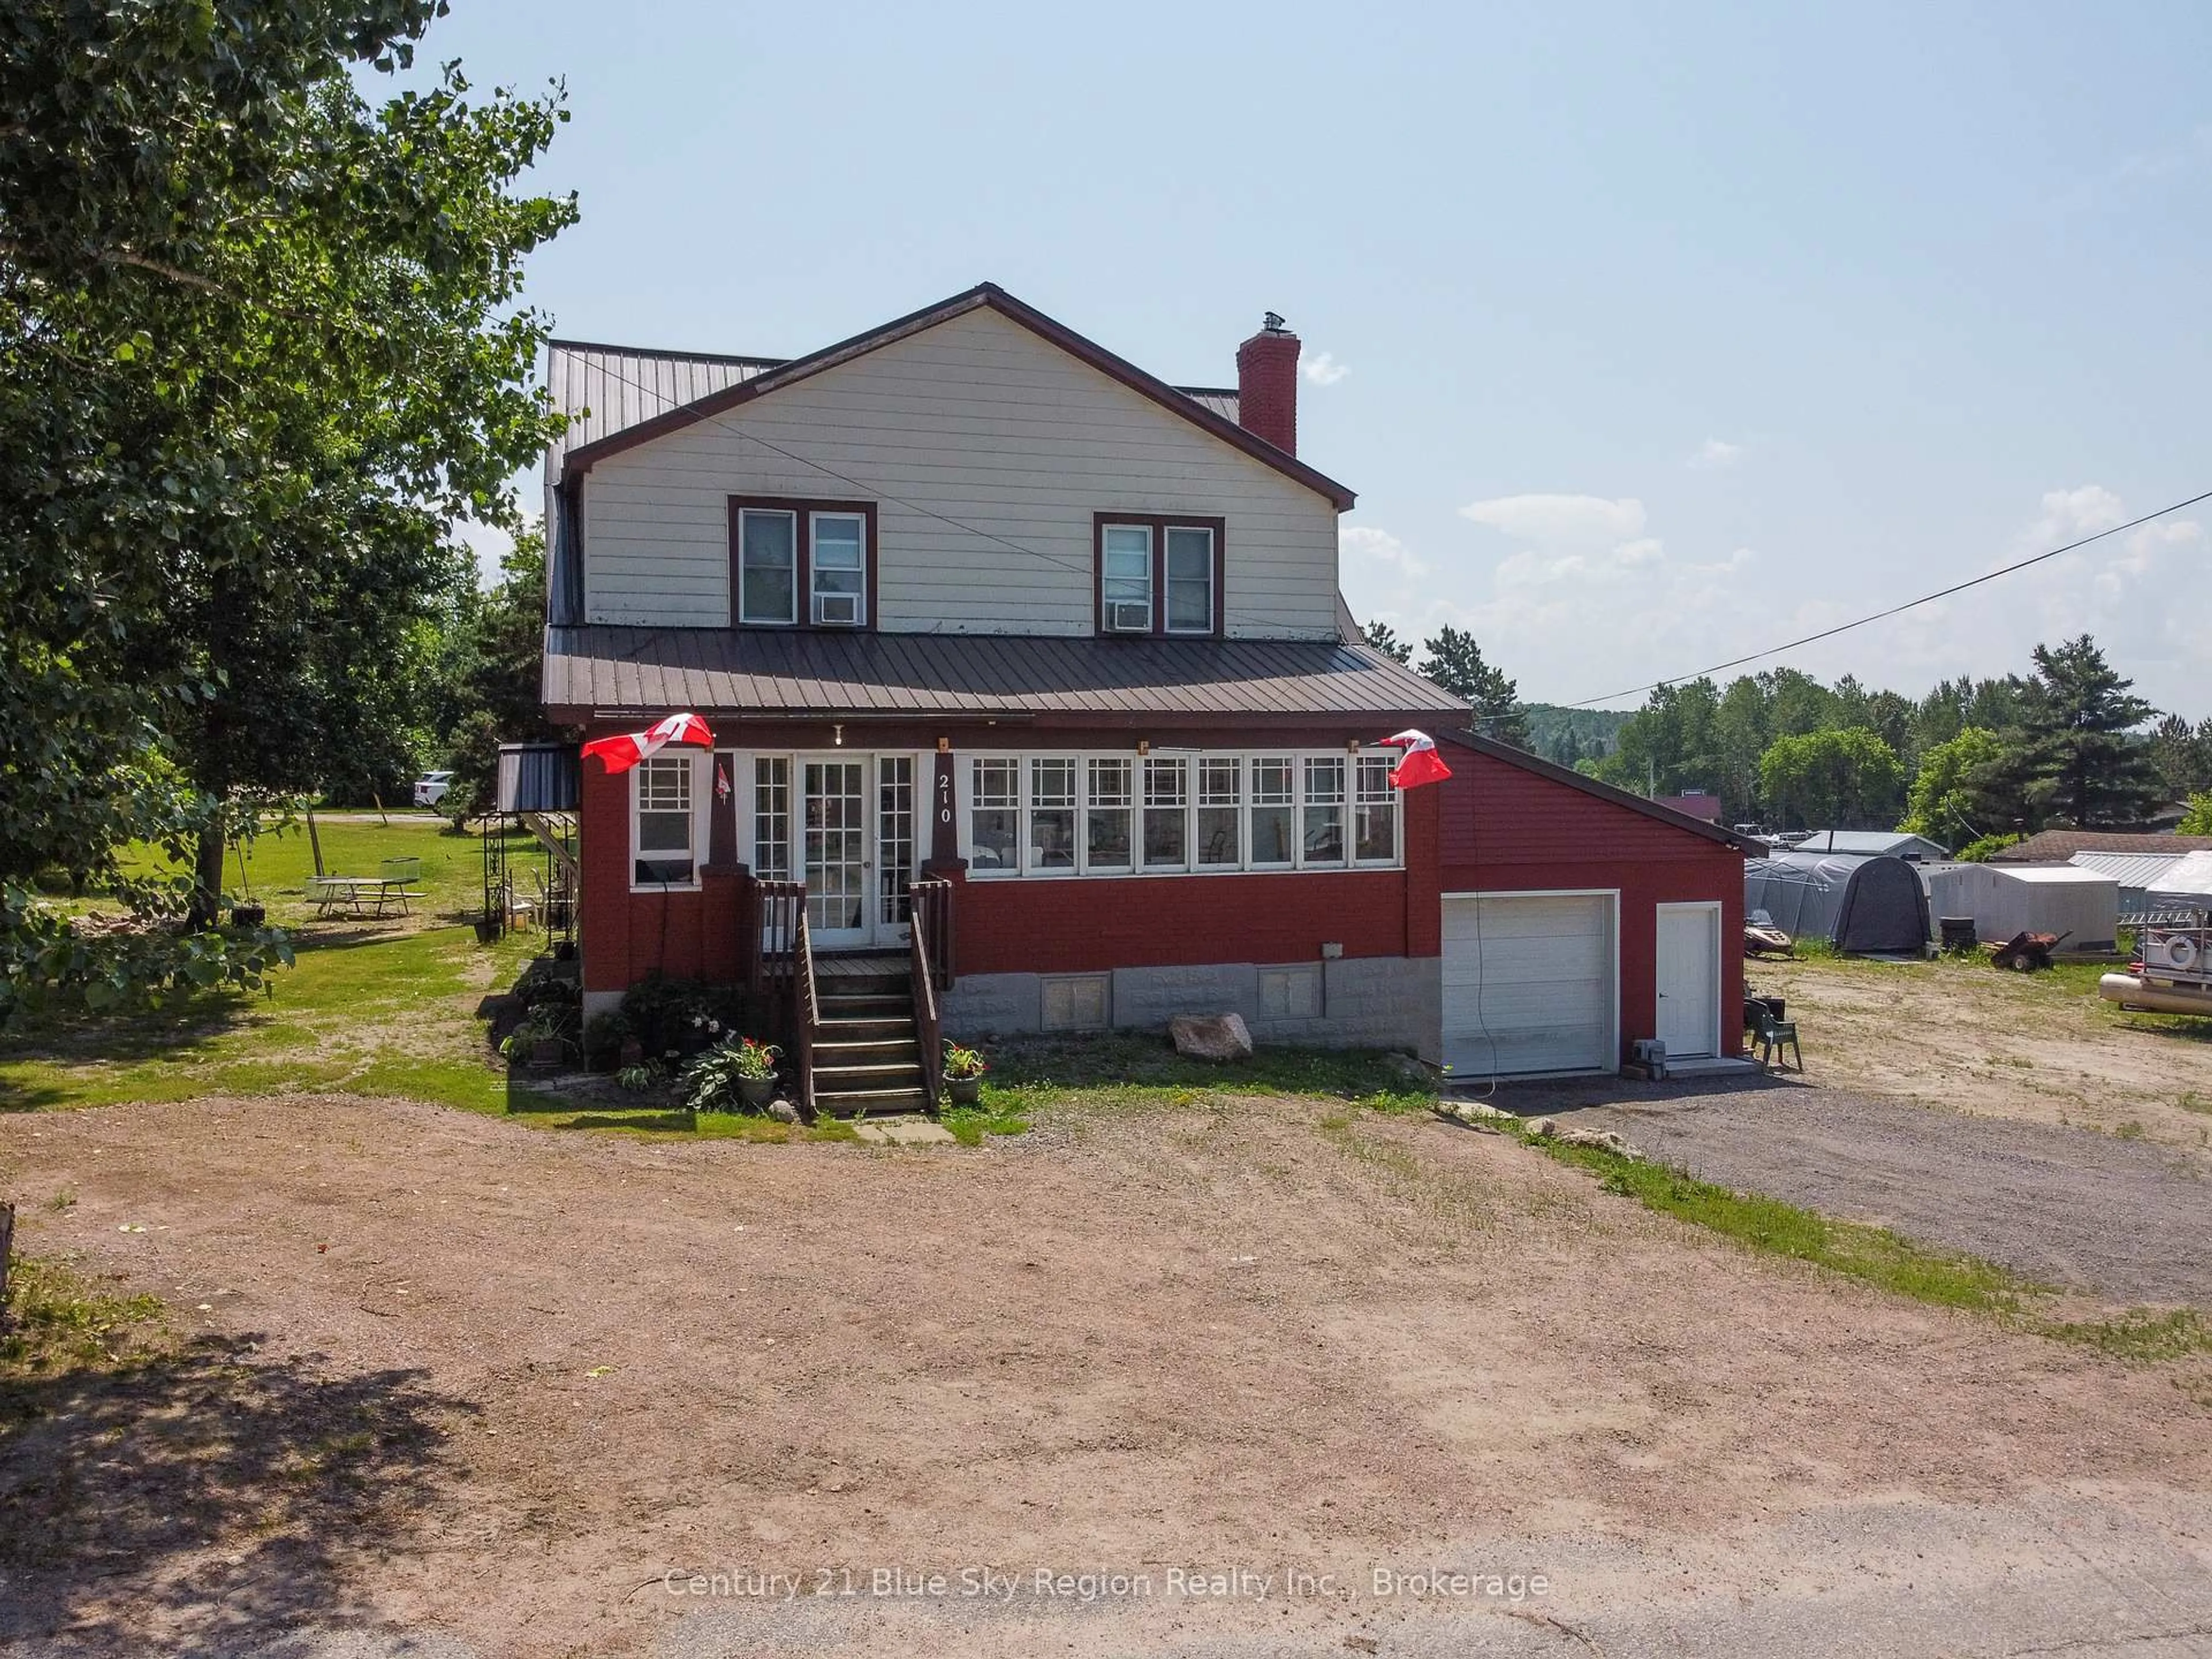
2122, 1219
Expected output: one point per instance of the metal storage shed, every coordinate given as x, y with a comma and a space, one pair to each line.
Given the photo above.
2081, 905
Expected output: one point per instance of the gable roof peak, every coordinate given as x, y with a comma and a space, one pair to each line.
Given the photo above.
768, 380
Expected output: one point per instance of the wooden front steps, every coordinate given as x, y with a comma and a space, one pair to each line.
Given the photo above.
867, 1059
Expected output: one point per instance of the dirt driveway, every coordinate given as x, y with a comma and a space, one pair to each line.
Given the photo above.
2123, 1220
451, 1382
2039, 1046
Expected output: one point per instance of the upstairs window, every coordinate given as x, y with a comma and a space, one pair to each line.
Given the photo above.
1125, 582
1158, 575
796, 564
1190, 580
768, 566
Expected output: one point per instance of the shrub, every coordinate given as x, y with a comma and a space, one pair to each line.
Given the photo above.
1979, 851
603, 1037
711, 1082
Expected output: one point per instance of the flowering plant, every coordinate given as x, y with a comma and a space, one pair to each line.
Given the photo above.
711, 1082
961, 1064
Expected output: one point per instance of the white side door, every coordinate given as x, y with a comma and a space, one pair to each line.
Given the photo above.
1689, 980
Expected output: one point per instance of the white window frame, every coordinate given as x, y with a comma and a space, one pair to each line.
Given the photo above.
814, 595
1192, 760
1168, 578
1152, 555
701, 794
746, 620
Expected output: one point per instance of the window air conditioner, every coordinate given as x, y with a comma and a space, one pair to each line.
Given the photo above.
1129, 616
841, 608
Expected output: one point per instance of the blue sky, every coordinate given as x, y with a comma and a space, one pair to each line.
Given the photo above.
1653, 334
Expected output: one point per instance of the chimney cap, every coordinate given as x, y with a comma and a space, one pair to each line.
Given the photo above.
1273, 323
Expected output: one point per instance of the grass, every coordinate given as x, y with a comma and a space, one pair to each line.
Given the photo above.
1133, 1069
57, 1320
970, 1124
1873, 1255
2142, 1335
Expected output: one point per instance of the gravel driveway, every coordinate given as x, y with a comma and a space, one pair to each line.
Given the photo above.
2090, 1212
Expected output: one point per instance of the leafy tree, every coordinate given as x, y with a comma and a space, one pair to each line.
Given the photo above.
489, 677
1966, 790
1454, 662
1982, 851
1669, 744
2197, 820
259, 347
1384, 638
1847, 780
2085, 765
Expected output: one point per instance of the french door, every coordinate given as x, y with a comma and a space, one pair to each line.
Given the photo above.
857, 842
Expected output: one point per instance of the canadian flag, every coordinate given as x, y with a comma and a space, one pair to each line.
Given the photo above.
1420, 764
625, 751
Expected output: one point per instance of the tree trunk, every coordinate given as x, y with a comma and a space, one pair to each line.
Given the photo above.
207, 878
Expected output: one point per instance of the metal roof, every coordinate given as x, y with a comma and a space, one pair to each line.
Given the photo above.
2129, 869
603, 389
606, 389
2049, 875
830, 674
2191, 877
1887, 842
2057, 846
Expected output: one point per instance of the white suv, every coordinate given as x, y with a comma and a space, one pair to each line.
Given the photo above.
430, 788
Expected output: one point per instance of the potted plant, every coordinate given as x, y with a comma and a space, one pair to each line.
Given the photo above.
537, 1040
963, 1074
731, 1075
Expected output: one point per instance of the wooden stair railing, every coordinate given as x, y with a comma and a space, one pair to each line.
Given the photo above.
805, 1014
929, 1030
780, 967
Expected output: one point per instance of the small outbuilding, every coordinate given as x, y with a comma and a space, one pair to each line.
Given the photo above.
2080, 906
1866, 905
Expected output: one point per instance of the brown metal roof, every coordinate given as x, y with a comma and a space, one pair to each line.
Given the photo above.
608, 667
2057, 846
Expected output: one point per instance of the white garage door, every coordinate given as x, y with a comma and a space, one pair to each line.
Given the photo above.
1529, 984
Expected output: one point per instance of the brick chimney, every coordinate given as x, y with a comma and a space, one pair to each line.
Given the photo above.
1267, 384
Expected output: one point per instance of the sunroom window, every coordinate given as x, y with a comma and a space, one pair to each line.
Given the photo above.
995, 822
1220, 801
772, 817
1375, 811
1052, 814
1106, 820
1274, 810
1167, 827
663, 834
1324, 825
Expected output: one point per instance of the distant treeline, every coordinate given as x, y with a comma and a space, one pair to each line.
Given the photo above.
1972, 761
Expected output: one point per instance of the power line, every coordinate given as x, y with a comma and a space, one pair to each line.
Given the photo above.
1895, 610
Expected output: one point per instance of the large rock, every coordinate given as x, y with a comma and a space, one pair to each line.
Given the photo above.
1211, 1036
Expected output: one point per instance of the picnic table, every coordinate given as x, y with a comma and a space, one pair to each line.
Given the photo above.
359, 896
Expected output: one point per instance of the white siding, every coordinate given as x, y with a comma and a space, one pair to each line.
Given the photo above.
982, 421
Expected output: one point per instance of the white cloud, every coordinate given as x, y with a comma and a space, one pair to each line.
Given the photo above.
2071, 514
1367, 542
1574, 520
1323, 369
1714, 453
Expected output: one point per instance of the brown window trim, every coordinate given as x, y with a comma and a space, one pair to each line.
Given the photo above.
1159, 525
805, 509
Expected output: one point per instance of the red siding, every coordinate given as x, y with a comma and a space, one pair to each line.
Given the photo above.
626, 935
1507, 830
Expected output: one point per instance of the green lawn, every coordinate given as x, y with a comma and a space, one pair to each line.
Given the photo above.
373, 1007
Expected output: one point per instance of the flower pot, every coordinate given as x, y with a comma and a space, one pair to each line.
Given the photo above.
249, 915
964, 1090
487, 931
546, 1053
757, 1091
633, 1052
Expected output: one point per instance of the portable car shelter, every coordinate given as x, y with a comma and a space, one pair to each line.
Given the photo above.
1884, 909
1860, 902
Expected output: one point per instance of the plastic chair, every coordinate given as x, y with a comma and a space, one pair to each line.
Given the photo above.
1773, 1034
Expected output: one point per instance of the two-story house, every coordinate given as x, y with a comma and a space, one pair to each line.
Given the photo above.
971, 601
